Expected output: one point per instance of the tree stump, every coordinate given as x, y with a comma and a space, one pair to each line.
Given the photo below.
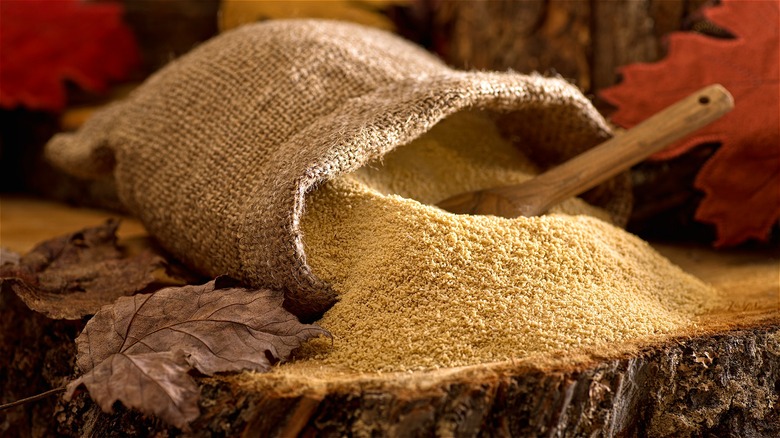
38, 354
721, 377
721, 382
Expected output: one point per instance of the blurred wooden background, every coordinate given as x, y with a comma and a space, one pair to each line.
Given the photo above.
584, 41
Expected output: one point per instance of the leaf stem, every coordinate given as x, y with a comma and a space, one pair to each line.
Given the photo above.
32, 398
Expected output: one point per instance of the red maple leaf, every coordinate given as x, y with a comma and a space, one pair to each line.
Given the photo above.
45, 42
741, 182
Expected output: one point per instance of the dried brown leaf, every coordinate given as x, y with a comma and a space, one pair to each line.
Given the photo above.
219, 327
8, 257
72, 276
156, 383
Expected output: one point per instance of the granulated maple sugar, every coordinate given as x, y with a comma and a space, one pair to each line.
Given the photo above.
421, 288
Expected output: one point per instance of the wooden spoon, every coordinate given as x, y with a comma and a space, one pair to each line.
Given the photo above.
591, 168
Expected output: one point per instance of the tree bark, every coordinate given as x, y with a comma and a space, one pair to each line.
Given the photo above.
38, 354
525, 36
584, 41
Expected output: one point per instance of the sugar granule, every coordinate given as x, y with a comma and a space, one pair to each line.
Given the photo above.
421, 288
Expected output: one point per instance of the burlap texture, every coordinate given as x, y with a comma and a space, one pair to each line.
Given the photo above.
216, 152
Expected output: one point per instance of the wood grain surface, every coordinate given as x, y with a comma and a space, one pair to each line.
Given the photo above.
24, 222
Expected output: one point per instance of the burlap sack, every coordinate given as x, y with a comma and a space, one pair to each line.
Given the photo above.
216, 152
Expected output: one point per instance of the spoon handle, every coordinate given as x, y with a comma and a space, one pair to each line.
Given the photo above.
614, 156
597, 165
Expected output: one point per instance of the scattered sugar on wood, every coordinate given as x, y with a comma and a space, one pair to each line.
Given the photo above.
421, 288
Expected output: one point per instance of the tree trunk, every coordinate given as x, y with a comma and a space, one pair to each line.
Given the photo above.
584, 41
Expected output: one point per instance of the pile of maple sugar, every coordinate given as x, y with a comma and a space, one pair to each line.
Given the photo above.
420, 288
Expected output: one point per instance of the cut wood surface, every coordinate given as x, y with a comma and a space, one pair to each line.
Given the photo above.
720, 377
25, 222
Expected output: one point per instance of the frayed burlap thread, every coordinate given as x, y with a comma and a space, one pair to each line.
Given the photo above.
216, 152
